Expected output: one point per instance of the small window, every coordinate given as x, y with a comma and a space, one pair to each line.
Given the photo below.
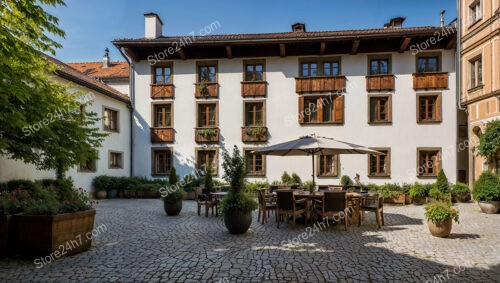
254, 72
380, 109
331, 68
115, 160
428, 162
162, 115
380, 165
428, 64
309, 69
207, 74
110, 120
476, 72
379, 66
207, 115
254, 163
163, 75
475, 13
89, 165
429, 108
328, 165
162, 161
207, 157
254, 114
327, 109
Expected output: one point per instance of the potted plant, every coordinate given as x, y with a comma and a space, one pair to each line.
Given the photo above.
346, 181
172, 198
460, 192
237, 206
419, 193
392, 193
439, 218
486, 191
202, 88
435, 194
101, 184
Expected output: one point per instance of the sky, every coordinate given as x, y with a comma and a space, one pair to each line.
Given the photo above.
91, 25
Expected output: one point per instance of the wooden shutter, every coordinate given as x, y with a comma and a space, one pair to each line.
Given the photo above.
319, 106
339, 109
438, 108
389, 108
301, 110
388, 162
336, 166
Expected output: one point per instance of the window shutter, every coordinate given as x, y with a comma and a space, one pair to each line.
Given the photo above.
301, 109
438, 108
336, 166
339, 109
388, 162
319, 106
389, 108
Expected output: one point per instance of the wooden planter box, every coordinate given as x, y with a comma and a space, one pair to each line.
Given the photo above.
379, 82
162, 91
6, 234
245, 137
206, 139
45, 234
435, 80
319, 84
162, 135
408, 199
212, 90
129, 193
251, 89
397, 200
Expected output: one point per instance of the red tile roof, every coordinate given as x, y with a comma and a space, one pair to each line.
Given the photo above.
95, 69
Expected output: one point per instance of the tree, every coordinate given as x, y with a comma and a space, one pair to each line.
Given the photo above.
442, 183
208, 181
40, 122
234, 169
489, 142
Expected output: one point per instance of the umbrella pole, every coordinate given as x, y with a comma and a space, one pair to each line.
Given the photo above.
313, 168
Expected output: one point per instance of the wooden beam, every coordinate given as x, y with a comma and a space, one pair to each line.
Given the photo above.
282, 50
130, 53
182, 54
229, 52
452, 42
404, 45
355, 46
322, 48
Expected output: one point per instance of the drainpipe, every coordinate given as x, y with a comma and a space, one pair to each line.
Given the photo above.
458, 61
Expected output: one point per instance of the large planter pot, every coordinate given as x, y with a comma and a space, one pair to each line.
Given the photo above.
238, 222
172, 209
461, 198
63, 234
101, 194
5, 233
112, 193
441, 229
490, 207
419, 200
408, 199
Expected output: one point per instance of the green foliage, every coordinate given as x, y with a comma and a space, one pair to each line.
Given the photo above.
346, 181
208, 179
108, 183
308, 185
20, 185
442, 182
30, 96
175, 193
208, 132
419, 190
256, 131
460, 189
487, 187
190, 182
405, 188
438, 212
436, 194
372, 187
389, 190
286, 179
296, 179
172, 177
489, 142
252, 187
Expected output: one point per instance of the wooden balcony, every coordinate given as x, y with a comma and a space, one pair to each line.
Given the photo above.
319, 84
162, 91
380, 83
206, 90
162, 135
251, 89
434, 80
254, 134
206, 135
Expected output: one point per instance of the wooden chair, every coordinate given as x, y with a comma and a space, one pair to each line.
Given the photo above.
209, 201
288, 205
266, 204
373, 204
332, 204
273, 188
323, 188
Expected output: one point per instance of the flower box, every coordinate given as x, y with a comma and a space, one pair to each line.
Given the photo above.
396, 200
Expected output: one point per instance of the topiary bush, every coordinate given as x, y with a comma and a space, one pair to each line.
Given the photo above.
346, 181
436, 194
286, 179
208, 179
442, 182
461, 191
487, 187
296, 179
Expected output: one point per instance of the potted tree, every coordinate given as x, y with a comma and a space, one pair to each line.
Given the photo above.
439, 217
237, 206
460, 192
172, 199
486, 191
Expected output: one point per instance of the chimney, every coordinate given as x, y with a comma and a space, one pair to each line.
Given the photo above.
153, 26
395, 22
105, 59
442, 18
299, 27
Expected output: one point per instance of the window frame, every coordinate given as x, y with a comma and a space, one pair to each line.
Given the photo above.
472, 13
91, 170
428, 55
319, 121
200, 64
163, 66
154, 105
117, 122
198, 104
386, 174
198, 150
336, 163
387, 57
252, 173
259, 101
320, 61
254, 63
435, 168
438, 105
476, 64
154, 150
389, 109
112, 152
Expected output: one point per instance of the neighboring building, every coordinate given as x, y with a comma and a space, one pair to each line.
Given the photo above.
114, 155
253, 90
480, 74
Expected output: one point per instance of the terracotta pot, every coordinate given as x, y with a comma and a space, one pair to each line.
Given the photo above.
440, 229
172, 209
490, 207
238, 222
101, 194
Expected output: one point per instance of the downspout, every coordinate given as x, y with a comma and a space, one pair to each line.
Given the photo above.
458, 61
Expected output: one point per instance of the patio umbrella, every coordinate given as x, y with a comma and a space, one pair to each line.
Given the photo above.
314, 145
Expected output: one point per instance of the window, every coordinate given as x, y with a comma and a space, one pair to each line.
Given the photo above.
162, 115
379, 66
380, 165
163, 75
475, 13
428, 64
380, 109
309, 69
476, 72
254, 163
206, 157
328, 165
325, 109
89, 165
110, 120
115, 160
162, 161
331, 68
207, 115
428, 162
207, 73
254, 114
254, 72
319, 67
429, 108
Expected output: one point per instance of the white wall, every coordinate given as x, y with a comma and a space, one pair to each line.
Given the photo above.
121, 86
403, 136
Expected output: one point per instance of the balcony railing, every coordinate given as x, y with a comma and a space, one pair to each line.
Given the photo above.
434, 80
250, 89
206, 90
319, 84
254, 134
162, 91
162, 135
206, 135
379, 82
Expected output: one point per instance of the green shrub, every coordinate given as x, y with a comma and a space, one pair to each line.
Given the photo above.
390, 190
175, 193
286, 179
3, 187
419, 190
372, 187
438, 212
405, 188
252, 187
489, 142
346, 181
460, 189
208, 179
102, 183
43, 202
296, 179
436, 194
487, 187
308, 185
442, 182
21, 185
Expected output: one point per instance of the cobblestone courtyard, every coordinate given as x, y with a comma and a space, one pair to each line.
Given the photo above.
142, 244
